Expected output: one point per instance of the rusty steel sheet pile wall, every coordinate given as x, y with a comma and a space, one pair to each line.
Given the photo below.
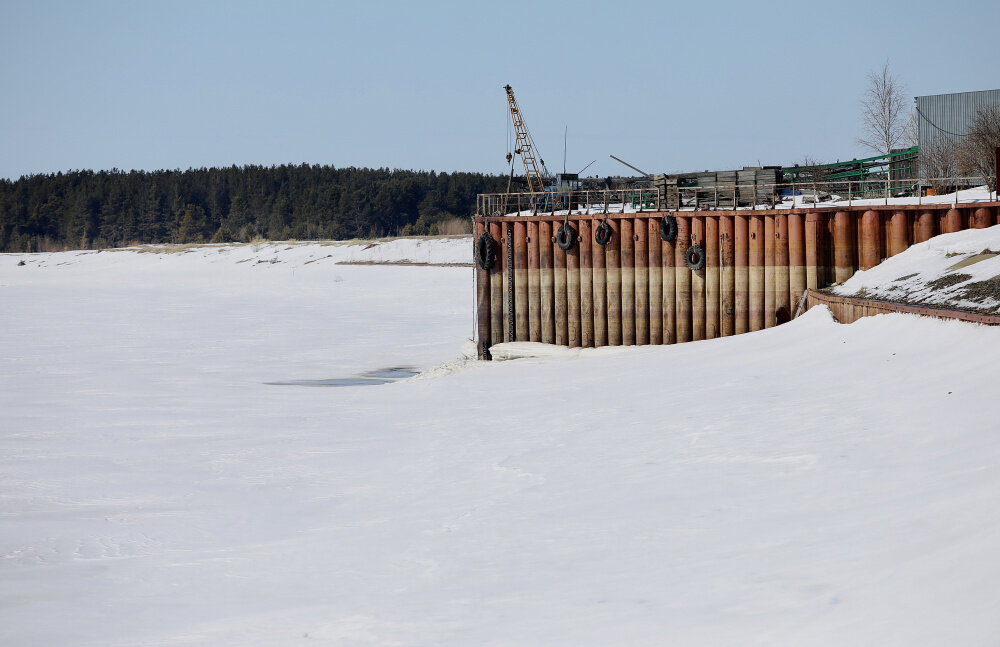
640, 288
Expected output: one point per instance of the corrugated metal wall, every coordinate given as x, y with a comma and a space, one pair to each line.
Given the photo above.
949, 116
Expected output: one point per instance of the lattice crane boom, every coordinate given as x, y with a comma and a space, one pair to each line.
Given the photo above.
525, 147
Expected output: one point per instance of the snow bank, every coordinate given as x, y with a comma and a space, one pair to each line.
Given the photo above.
442, 250
959, 270
810, 484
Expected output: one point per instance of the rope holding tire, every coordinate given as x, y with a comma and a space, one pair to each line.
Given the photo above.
485, 252
694, 257
565, 237
668, 229
602, 234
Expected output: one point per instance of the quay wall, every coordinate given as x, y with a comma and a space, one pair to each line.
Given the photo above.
748, 269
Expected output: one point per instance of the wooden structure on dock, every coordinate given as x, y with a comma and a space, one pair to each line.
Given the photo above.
640, 288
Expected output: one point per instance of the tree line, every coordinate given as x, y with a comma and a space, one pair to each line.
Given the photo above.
92, 210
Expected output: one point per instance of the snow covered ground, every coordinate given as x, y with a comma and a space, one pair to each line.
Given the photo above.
965, 196
812, 484
958, 270
807, 201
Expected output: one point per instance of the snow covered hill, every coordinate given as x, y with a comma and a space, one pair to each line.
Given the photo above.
442, 250
958, 270
165, 477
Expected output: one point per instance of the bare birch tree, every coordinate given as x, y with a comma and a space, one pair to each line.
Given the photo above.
939, 161
882, 112
911, 130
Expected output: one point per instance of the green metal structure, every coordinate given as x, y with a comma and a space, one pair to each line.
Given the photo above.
897, 166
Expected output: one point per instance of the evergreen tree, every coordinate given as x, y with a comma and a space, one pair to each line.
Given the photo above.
107, 208
192, 225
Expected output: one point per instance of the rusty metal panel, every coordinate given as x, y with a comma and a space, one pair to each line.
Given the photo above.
483, 331
870, 239
586, 284
741, 227
560, 303
628, 281
727, 278
713, 322
640, 231
782, 298
546, 283
573, 324
813, 252
534, 284
926, 226
843, 237
655, 269
796, 258
600, 294
698, 283
521, 280
682, 276
952, 221
981, 218
899, 229
756, 284
612, 260
770, 251
496, 286
669, 293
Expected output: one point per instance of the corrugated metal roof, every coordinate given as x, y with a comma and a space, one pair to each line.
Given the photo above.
949, 116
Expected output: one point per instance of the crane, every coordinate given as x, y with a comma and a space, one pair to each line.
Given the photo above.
526, 148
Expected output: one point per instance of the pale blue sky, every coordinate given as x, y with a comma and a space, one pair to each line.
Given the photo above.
418, 85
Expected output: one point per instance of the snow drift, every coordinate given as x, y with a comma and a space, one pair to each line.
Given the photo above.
811, 484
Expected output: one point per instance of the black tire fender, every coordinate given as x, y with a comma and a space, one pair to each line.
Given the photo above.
668, 229
566, 237
602, 234
485, 252
694, 257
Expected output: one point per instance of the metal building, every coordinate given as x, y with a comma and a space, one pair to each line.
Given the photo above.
949, 116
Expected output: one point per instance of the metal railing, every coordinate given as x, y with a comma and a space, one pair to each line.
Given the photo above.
727, 197
569, 201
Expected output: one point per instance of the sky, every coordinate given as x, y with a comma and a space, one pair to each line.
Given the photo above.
668, 87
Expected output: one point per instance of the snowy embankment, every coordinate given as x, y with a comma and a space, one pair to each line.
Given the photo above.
958, 270
441, 250
811, 484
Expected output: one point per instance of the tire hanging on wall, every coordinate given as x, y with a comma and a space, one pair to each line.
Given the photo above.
485, 252
668, 229
565, 237
694, 257
602, 234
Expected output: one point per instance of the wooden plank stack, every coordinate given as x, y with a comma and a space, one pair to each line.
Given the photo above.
717, 189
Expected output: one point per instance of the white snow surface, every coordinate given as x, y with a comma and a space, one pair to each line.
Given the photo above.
965, 196
439, 250
806, 201
970, 256
811, 484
